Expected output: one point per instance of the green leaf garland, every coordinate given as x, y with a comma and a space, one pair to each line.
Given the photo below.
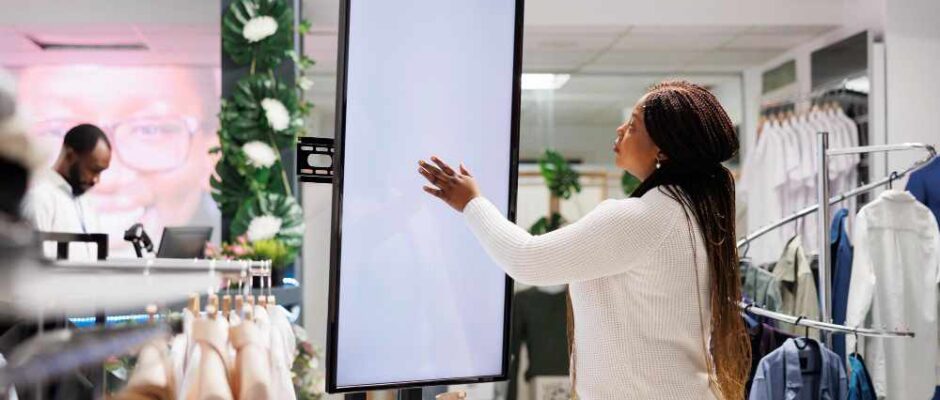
245, 119
276, 205
266, 53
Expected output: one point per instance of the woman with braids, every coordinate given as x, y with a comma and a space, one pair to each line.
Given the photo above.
653, 279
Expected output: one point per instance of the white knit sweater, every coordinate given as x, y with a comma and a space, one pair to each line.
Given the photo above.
638, 312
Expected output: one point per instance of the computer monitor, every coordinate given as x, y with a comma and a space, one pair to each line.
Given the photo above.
184, 242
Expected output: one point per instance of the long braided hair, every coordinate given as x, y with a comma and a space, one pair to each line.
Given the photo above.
695, 134
693, 131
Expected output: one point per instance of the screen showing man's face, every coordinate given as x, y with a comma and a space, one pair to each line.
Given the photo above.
161, 123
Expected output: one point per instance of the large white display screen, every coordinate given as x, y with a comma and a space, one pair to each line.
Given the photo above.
414, 298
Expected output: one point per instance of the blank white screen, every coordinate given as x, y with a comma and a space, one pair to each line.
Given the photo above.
419, 298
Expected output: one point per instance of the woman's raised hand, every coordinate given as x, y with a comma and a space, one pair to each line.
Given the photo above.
456, 188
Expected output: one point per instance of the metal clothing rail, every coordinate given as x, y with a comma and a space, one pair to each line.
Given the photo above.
176, 265
823, 326
824, 283
852, 193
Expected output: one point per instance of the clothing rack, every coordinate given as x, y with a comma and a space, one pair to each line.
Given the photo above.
33, 287
823, 197
852, 193
823, 326
819, 92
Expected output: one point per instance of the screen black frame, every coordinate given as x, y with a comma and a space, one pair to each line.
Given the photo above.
336, 233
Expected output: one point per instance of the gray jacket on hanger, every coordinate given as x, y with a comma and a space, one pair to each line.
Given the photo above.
779, 376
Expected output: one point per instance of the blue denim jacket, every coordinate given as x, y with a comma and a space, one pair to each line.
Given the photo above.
841, 276
779, 378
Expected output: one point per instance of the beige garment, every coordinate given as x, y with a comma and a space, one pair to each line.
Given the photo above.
153, 377
251, 378
281, 324
797, 287
211, 381
282, 385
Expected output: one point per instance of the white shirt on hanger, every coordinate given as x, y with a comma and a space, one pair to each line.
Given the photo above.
894, 284
763, 186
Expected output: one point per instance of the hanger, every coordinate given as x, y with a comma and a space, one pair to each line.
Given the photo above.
747, 247
226, 305
271, 300
249, 297
262, 299
894, 175
194, 304
239, 304
812, 350
855, 349
151, 311
213, 302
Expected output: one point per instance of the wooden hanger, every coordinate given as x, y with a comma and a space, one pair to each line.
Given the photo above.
239, 304
213, 301
194, 304
151, 310
226, 305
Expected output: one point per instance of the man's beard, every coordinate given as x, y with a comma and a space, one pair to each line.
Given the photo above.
75, 180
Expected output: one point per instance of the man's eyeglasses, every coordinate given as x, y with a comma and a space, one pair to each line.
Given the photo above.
156, 144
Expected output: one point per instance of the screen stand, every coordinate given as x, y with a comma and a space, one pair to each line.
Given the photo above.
355, 396
409, 394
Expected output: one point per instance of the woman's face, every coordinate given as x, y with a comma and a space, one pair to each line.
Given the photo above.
636, 152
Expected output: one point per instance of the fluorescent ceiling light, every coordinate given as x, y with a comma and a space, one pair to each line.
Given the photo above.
544, 81
861, 84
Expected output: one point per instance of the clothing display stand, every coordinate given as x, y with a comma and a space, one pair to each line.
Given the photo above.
824, 285
823, 198
131, 281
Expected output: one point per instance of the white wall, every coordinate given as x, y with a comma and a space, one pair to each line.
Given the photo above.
912, 41
800, 54
905, 80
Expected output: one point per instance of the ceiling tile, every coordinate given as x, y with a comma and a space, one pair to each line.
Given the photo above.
689, 30
649, 60
529, 30
568, 42
555, 61
671, 41
791, 29
732, 58
768, 41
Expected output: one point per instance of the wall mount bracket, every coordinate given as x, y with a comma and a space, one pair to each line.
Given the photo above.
310, 150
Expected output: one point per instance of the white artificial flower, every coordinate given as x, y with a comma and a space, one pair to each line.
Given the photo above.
277, 115
259, 154
263, 227
259, 28
305, 83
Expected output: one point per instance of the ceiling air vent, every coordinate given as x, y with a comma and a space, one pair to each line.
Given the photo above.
89, 46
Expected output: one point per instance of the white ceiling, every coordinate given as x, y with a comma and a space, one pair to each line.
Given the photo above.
164, 44
631, 49
614, 49
183, 31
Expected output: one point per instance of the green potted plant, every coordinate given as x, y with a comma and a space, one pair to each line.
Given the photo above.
563, 182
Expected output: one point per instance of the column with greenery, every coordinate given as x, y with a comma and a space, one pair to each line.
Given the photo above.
258, 122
